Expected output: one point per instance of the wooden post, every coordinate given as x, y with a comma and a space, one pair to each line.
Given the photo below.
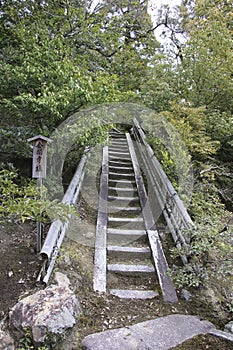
39, 224
39, 164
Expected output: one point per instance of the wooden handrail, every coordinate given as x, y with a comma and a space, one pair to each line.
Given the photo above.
58, 228
172, 207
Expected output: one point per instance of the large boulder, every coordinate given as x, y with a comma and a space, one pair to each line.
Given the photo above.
48, 313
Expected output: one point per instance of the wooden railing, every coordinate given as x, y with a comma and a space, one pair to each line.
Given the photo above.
58, 228
161, 189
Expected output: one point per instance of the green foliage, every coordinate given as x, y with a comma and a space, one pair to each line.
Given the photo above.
171, 151
165, 158
220, 127
201, 37
192, 125
57, 59
159, 87
206, 69
210, 249
26, 202
26, 342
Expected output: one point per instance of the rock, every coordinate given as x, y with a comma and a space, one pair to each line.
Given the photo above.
185, 294
6, 341
62, 279
67, 260
222, 335
161, 334
229, 327
49, 313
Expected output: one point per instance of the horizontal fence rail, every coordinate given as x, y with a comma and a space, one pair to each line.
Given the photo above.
58, 228
170, 204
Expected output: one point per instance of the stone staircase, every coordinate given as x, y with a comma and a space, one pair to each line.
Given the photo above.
127, 243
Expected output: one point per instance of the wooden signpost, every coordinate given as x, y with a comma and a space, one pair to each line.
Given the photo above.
39, 165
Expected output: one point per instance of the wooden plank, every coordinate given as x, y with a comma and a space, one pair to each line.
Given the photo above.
175, 215
100, 260
166, 285
161, 265
179, 204
70, 197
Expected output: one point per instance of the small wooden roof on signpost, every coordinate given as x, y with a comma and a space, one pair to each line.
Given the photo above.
39, 137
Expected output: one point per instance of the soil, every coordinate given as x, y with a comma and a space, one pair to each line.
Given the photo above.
20, 266
19, 263
204, 342
101, 312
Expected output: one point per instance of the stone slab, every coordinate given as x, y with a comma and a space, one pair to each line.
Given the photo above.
159, 334
129, 252
223, 335
134, 294
128, 269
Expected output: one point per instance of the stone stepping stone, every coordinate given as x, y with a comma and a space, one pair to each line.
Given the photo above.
162, 333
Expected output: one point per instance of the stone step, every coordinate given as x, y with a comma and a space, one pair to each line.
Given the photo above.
131, 269
120, 219
129, 235
117, 156
128, 199
120, 162
128, 252
122, 209
122, 184
126, 182
119, 153
127, 232
116, 143
120, 175
120, 168
117, 150
116, 133
120, 143
121, 138
120, 148
134, 294
125, 189
126, 222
